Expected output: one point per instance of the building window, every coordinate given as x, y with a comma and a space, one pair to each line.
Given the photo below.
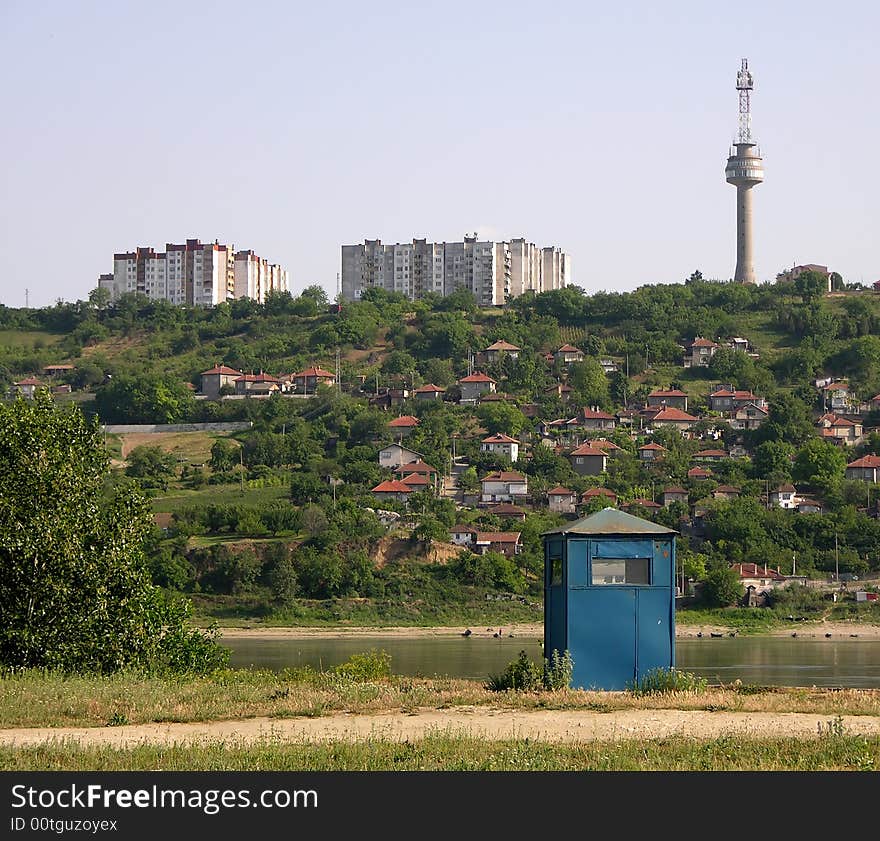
621, 571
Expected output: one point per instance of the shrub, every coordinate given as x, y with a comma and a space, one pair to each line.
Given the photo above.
661, 681
371, 665
522, 673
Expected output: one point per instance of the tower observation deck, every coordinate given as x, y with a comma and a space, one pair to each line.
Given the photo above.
745, 169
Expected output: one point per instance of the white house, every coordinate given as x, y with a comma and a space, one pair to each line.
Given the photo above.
785, 496
500, 444
504, 486
395, 455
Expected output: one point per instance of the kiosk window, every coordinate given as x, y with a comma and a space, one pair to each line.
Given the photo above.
621, 571
554, 557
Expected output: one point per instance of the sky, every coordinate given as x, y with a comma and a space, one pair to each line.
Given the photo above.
293, 128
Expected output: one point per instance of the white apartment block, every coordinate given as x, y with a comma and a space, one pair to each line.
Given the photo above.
493, 271
255, 277
196, 273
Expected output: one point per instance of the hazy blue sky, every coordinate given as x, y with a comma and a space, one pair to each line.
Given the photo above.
292, 128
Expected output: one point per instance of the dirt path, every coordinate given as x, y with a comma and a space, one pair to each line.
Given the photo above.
542, 725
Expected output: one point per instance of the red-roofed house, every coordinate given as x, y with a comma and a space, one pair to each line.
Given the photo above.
588, 461
504, 486
403, 426
606, 446
785, 496
474, 385
568, 354
27, 387
417, 467
215, 378
603, 493
594, 418
501, 445
671, 495
750, 416
724, 399
699, 352
837, 396
698, 473
711, 455
651, 452
682, 421
496, 349
58, 370
429, 392
506, 542
839, 430
562, 500
417, 481
393, 490
505, 509
725, 492
673, 397
756, 575
864, 469
261, 383
307, 382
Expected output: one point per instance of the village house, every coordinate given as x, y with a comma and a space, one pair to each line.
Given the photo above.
560, 391
502, 445
568, 354
593, 418
605, 494
785, 496
418, 468
725, 492
257, 384
838, 396
474, 385
479, 542
504, 486
676, 418
507, 510
403, 426
651, 452
58, 370
839, 430
648, 504
609, 366
588, 461
27, 387
392, 489
759, 576
388, 398
394, 455
810, 505
750, 416
864, 469
215, 378
710, 455
307, 381
674, 494
417, 481
673, 398
726, 399
699, 352
496, 350
562, 500
607, 447
698, 474
429, 392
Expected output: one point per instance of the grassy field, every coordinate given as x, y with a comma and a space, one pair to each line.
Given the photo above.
191, 447
219, 495
27, 339
33, 699
447, 752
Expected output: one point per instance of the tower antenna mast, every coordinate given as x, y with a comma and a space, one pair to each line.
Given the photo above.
745, 84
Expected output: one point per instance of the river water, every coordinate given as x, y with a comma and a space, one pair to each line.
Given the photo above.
771, 661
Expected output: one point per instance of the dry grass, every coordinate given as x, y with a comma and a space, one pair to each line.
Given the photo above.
35, 699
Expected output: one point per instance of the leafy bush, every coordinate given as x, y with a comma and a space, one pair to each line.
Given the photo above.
661, 681
360, 668
522, 673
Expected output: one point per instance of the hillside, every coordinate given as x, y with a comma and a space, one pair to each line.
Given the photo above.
304, 479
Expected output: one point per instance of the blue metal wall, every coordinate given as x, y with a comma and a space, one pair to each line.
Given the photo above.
615, 633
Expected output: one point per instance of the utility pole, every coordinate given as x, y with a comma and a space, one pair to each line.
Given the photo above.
241, 464
836, 560
27, 299
338, 370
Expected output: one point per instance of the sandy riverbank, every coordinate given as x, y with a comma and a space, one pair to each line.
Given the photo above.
838, 630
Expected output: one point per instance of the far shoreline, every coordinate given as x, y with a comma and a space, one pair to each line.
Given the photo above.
818, 630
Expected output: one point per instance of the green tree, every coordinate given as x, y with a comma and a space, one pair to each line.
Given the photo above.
75, 588
151, 466
819, 463
148, 398
810, 285
722, 587
224, 455
589, 382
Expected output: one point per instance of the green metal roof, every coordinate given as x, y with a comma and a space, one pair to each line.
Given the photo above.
612, 521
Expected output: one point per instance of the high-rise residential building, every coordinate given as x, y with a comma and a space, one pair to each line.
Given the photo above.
196, 273
493, 271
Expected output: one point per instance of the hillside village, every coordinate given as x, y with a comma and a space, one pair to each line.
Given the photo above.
476, 430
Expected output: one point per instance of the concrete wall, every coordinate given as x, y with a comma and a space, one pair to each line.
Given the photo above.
230, 426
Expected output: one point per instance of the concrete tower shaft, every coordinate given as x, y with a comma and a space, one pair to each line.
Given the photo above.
745, 169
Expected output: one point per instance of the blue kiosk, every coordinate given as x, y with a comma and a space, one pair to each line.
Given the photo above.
609, 598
